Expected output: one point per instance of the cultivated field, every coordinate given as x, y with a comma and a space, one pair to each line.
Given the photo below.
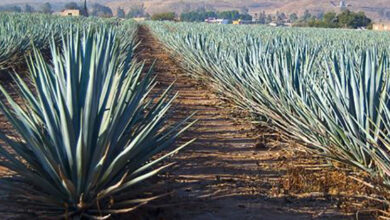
106, 118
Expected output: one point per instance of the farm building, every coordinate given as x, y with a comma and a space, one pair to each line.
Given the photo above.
139, 19
217, 21
239, 21
381, 27
71, 12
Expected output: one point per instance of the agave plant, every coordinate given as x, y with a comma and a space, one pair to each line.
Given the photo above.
17, 32
324, 88
354, 102
88, 130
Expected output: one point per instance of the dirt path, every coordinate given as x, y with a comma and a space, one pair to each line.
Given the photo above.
222, 175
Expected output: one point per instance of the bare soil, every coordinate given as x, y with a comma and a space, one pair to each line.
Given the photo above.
236, 170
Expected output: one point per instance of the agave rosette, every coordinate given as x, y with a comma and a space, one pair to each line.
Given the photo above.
89, 131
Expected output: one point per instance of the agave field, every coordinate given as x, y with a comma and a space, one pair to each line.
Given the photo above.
90, 127
328, 89
19, 33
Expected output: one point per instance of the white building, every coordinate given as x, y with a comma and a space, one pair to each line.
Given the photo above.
216, 21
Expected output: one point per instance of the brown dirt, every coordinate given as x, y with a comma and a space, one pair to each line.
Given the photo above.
232, 172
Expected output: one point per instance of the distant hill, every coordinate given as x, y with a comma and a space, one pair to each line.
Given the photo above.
376, 9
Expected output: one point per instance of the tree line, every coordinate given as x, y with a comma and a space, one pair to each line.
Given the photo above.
94, 9
344, 19
201, 14
44, 8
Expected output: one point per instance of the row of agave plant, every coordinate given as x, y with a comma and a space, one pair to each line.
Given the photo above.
88, 133
332, 95
18, 32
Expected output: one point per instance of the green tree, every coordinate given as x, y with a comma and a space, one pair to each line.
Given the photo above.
29, 9
282, 16
262, 18
246, 17
71, 6
166, 16
330, 20
11, 9
346, 19
197, 16
101, 10
269, 19
231, 15
350, 19
293, 17
306, 15
120, 13
46, 8
320, 15
136, 11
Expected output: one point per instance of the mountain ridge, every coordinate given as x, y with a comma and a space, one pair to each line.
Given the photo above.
378, 10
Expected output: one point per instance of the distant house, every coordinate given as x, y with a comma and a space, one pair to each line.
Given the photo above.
239, 21
71, 12
139, 19
216, 21
280, 24
381, 27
